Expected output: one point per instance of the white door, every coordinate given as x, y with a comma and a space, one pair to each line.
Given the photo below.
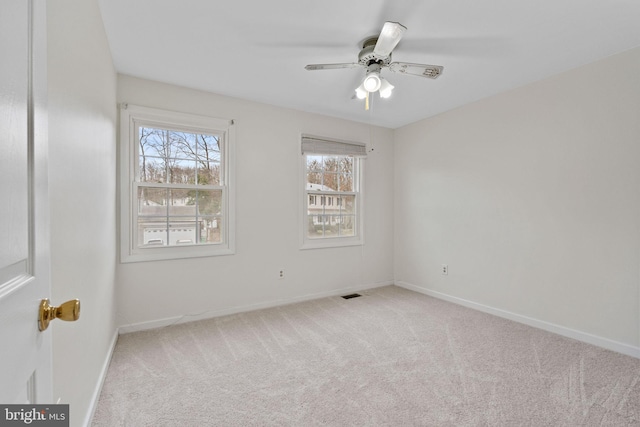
25, 352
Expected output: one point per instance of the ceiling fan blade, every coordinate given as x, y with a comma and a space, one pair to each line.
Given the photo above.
389, 37
469, 47
422, 70
313, 67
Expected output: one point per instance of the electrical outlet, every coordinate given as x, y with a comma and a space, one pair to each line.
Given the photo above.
445, 269
281, 274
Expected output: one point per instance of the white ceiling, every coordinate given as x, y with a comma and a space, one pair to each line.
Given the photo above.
257, 49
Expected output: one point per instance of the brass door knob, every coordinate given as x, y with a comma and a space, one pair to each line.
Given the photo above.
69, 311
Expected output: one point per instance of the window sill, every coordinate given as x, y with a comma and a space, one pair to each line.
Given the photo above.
331, 242
163, 254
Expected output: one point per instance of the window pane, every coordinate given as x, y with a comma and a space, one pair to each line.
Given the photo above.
180, 203
183, 145
182, 171
152, 214
150, 142
181, 229
346, 182
315, 226
209, 202
330, 163
314, 181
193, 203
346, 165
330, 181
208, 157
348, 205
347, 225
208, 148
332, 215
170, 146
151, 169
331, 225
210, 229
188, 231
168, 217
156, 142
152, 201
152, 231
327, 173
314, 163
209, 173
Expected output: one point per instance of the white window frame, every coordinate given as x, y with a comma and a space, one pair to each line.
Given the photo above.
131, 116
358, 176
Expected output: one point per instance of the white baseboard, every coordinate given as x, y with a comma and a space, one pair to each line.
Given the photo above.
606, 343
153, 324
93, 405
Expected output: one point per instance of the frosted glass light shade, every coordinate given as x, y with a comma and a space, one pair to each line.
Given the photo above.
385, 88
372, 82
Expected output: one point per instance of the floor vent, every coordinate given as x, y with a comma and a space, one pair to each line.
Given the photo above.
351, 296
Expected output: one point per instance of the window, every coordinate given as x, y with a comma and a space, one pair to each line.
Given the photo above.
331, 172
176, 185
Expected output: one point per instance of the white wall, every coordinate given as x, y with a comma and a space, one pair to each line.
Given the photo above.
532, 198
82, 164
267, 217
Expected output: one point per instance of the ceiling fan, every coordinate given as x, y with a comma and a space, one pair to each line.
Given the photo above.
376, 55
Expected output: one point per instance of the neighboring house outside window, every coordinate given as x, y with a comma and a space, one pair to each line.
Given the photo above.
176, 185
332, 208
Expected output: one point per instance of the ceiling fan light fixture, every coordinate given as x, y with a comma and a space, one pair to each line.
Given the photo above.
385, 88
372, 82
375, 56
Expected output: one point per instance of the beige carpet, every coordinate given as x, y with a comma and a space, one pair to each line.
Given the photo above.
392, 357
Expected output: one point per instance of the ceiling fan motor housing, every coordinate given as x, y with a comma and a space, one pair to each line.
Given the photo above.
366, 56
374, 67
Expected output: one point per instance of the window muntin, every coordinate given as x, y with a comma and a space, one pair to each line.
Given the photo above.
176, 189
